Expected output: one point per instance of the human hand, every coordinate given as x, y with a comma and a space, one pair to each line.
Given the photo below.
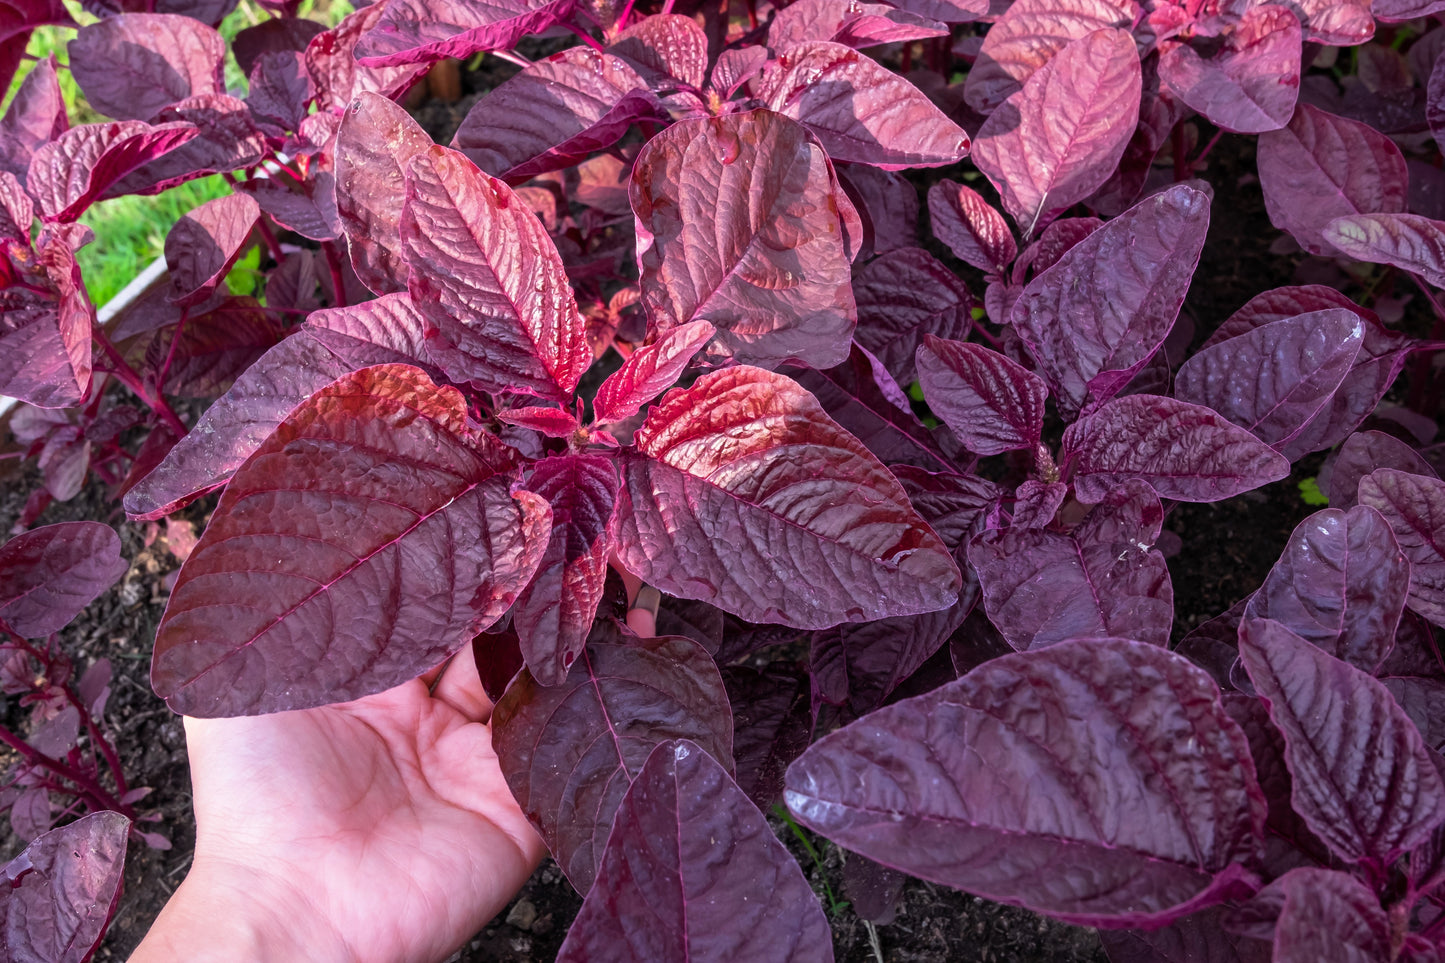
379, 829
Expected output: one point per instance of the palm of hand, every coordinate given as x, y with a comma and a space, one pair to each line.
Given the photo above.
387, 816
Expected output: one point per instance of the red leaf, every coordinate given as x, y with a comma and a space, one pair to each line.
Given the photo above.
36, 116
904, 296
339, 78
49, 574
425, 31
228, 139
420, 545
991, 402
1414, 505
848, 22
131, 66
69, 173
1251, 84
204, 243
666, 48
1407, 241
650, 371
45, 343
308, 208
973, 231
552, 422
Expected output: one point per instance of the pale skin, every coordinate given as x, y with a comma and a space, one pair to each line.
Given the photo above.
375, 830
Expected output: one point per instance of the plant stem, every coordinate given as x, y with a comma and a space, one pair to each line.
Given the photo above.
131, 380
89, 788
586, 37
171, 351
338, 286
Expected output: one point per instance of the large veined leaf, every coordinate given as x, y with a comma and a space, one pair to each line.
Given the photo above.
569, 751
1363, 780
692, 871
1197, 938
1014, 783
204, 243
1274, 379
554, 113
330, 344
1329, 915
57, 896
1186, 452
738, 224
743, 493
36, 116
973, 231
339, 78
668, 49
308, 207
1251, 84
68, 174
1104, 578
489, 279
425, 31
1407, 241
131, 66
1028, 34
410, 542
49, 574
1362, 453
993, 403
887, 201
1414, 505
1056, 141
1340, 584
553, 615
649, 371
1277, 304
227, 138
1321, 167
1100, 312
848, 22
374, 143
859, 110
1340, 23
45, 341
905, 296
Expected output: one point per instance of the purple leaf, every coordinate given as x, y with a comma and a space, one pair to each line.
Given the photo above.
948, 11
570, 751
424, 546
425, 31
49, 574
36, 116
858, 666
204, 243
1362, 453
552, 422
1058, 140
228, 139
216, 347
1329, 915
772, 725
488, 278
1276, 378
953, 505
649, 371
376, 141
554, 113
1185, 452
57, 896
1362, 778
1197, 938
1398, 11
1105, 578
859, 110
339, 78
1321, 167
330, 344
736, 66
973, 231
1054, 242
281, 90
1096, 316
720, 504
133, 65
1423, 700
887, 201
1251, 84
45, 342
553, 615
1407, 241
903, 297
668, 49
1013, 783
1339, 584
282, 35
774, 274
1381, 357
69, 173
1414, 505
1340, 23
692, 871
992, 403
308, 208
1030, 33
1277, 304
847, 22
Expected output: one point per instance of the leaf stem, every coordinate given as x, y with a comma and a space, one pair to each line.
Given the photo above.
338, 285
586, 37
128, 377
171, 351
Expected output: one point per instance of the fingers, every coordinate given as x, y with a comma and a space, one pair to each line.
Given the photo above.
642, 617
460, 686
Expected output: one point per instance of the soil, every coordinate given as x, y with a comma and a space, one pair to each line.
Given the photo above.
1227, 549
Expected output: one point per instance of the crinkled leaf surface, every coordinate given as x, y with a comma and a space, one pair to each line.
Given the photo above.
1340, 584
1362, 453
1274, 379
49, 574
569, 751
1104, 578
1277, 304
553, 615
425, 31
1056, 141
376, 140
1028, 34
1186, 452
331, 343
228, 139
887, 201
847, 22
859, 110
1382, 354
281, 35
993, 403
1031, 781
57, 896
1407, 241
1321, 167
743, 493
68, 174
692, 871
738, 224
280, 90
1329, 915
36, 115
857, 666
339, 78
554, 113
973, 231
1362, 778
204, 243
410, 542
649, 371
904, 296
1096, 316
488, 278
132, 65
1414, 505
1341, 23
1251, 84
667, 49
45, 342
308, 208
